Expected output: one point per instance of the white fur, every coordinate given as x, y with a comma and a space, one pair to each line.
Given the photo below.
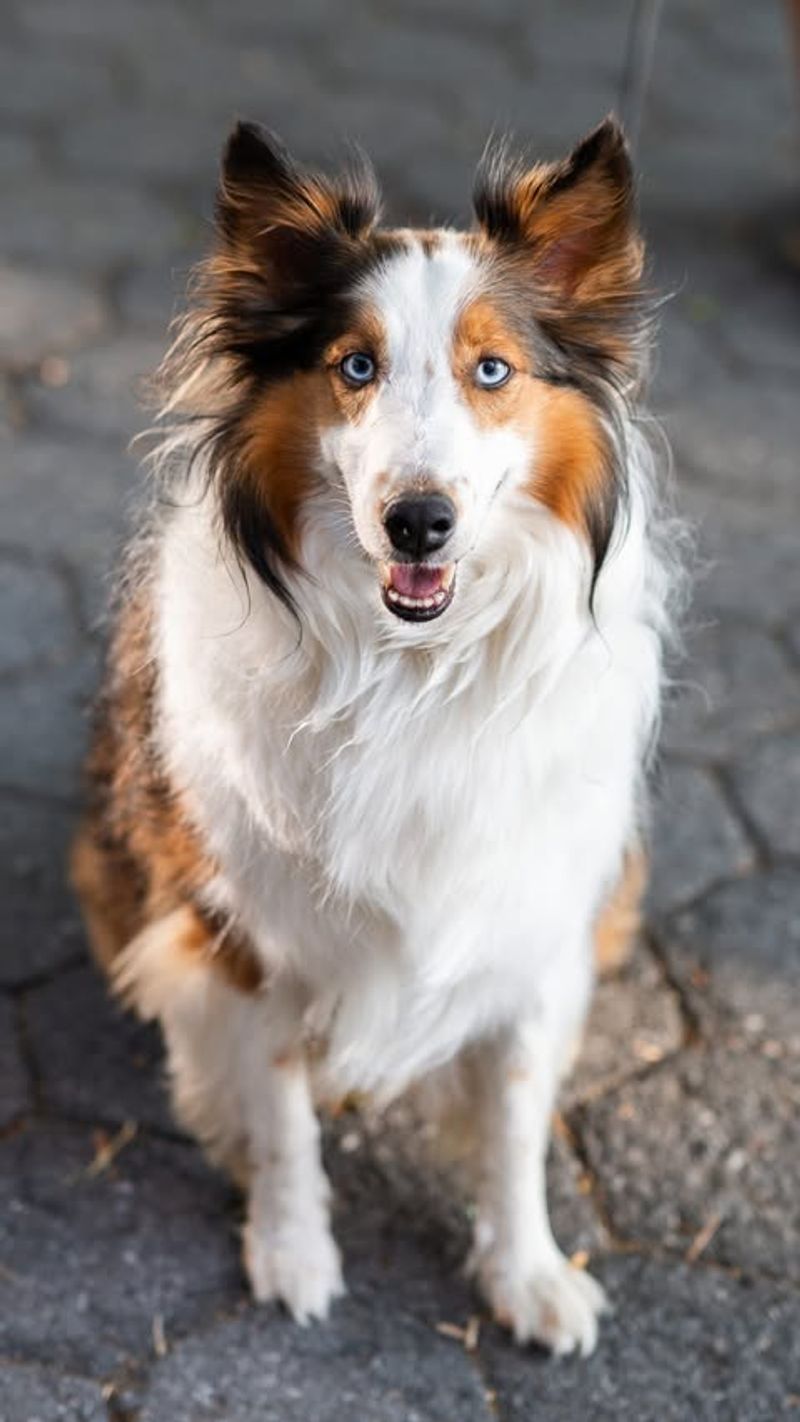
415, 824
417, 428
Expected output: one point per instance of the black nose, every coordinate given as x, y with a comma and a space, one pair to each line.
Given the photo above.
418, 526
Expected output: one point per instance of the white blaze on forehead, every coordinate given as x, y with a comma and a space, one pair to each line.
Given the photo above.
418, 428
419, 418
419, 295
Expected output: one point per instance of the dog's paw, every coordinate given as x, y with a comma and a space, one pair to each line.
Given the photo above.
554, 1304
300, 1268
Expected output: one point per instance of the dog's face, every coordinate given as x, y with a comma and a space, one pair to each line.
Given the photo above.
428, 377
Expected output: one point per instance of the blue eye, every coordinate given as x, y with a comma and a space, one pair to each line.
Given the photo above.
358, 368
492, 372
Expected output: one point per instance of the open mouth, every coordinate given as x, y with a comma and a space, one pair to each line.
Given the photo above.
418, 592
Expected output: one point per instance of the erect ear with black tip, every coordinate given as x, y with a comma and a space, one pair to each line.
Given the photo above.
574, 220
262, 192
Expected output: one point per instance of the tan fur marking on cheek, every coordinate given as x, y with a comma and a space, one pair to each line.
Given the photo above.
481, 332
279, 438
569, 465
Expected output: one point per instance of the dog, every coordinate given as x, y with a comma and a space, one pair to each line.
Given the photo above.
366, 786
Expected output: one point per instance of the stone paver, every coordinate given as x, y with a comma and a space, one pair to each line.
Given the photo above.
41, 615
696, 838
376, 1363
719, 441
710, 1146
59, 494
122, 1294
90, 1261
635, 1020
94, 1061
748, 559
737, 685
15, 1086
39, 926
44, 314
736, 952
88, 224
44, 1395
44, 727
767, 781
100, 391
683, 1343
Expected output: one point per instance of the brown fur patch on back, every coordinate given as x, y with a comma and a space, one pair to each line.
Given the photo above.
138, 856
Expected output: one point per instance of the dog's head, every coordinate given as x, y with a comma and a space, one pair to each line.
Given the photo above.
422, 379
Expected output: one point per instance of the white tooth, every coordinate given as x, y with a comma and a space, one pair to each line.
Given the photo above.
393, 594
427, 602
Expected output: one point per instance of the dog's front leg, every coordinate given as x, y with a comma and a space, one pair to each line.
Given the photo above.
531, 1286
289, 1251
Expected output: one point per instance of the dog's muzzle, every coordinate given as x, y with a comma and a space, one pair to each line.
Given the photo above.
415, 587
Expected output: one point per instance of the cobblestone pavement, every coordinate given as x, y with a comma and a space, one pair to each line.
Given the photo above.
676, 1165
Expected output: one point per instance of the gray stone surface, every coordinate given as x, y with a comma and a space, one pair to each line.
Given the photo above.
635, 1020
737, 953
19, 153
38, 84
378, 1361
696, 838
90, 1261
39, 623
148, 295
748, 560
767, 782
95, 1061
87, 224
102, 391
39, 929
718, 439
706, 1144
679, 1124
162, 146
34, 1394
43, 314
61, 496
737, 685
400, 1187
682, 1343
15, 1086
44, 728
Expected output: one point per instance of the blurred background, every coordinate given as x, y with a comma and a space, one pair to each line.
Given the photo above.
676, 1163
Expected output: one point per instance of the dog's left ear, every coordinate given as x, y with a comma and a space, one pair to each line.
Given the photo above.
572, 222
271, 211
288, 240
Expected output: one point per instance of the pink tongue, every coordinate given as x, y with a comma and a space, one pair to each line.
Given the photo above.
416, 579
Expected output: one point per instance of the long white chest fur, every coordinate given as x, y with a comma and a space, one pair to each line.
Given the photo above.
414, 837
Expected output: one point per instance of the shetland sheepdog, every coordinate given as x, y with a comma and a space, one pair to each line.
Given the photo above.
366, 784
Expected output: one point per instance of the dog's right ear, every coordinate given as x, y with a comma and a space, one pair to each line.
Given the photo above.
271, 211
